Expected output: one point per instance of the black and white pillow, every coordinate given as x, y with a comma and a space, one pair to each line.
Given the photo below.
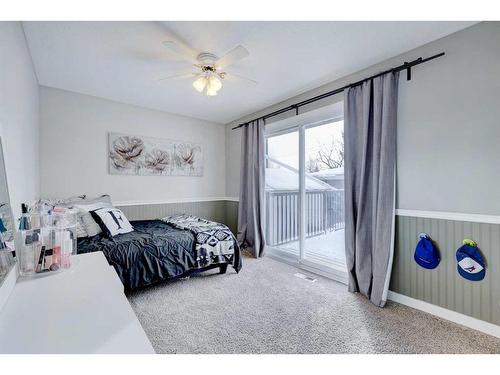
112, 221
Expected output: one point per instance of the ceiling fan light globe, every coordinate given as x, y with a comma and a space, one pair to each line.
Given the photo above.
215, 83
211, 91
200, 84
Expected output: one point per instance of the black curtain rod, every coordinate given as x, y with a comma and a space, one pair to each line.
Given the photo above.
406, 66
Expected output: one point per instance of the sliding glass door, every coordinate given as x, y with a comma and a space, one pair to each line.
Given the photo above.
282, 193
324, 195
305, 195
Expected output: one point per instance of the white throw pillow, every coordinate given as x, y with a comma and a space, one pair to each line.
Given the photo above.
88, 222
112, 221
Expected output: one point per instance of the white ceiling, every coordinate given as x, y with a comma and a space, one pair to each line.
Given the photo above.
123, 60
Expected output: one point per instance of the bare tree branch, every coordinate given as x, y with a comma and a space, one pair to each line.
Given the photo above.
312, 165
332, 155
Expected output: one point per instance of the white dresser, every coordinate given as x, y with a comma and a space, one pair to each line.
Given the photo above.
81, 310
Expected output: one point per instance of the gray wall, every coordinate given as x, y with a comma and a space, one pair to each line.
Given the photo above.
83, 122
19, 116
443, 286
448, 126
448, 160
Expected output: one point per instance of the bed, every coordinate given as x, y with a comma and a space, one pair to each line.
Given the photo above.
155, 251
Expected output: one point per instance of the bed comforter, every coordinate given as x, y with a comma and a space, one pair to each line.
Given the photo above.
155, 251
215, 242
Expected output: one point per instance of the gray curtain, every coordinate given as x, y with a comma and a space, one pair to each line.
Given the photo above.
251, 205
370, 112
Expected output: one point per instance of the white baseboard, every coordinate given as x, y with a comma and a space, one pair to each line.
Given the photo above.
453, 316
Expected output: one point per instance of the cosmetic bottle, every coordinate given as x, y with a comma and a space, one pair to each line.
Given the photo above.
24, 220
37, 247
66, 249
28, 256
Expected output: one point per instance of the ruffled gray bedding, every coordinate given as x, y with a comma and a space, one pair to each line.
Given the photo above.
156, 251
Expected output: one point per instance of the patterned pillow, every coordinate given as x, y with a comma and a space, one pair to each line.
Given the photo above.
112, 221
43, 205
80, 227
68, 202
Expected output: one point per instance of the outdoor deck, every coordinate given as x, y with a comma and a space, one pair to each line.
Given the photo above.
329, 246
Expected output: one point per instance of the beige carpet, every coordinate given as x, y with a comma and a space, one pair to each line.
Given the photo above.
266, 309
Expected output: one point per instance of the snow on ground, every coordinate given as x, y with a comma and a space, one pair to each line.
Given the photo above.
330, 245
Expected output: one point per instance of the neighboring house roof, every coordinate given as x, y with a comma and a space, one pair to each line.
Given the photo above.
288, 180
333, 173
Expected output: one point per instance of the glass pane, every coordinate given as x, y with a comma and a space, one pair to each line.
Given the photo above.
282, 192
324, 166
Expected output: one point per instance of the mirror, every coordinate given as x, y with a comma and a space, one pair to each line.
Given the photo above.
7, 231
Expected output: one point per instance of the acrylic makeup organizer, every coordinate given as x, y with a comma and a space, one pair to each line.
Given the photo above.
48, 243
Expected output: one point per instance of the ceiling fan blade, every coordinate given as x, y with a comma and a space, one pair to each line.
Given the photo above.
182, 51
231, 57
178, 76
238, 76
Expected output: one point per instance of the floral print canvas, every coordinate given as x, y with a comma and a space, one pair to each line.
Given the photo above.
137, 155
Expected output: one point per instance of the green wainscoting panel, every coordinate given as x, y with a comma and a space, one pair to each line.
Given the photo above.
443, 286
232, 215
221, 211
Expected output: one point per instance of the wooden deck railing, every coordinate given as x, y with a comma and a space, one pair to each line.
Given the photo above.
324, 212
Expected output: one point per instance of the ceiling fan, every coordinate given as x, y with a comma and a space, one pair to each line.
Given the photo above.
210, 69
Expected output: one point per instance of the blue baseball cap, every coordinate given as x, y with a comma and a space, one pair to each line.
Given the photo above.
471, 265
426, 253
